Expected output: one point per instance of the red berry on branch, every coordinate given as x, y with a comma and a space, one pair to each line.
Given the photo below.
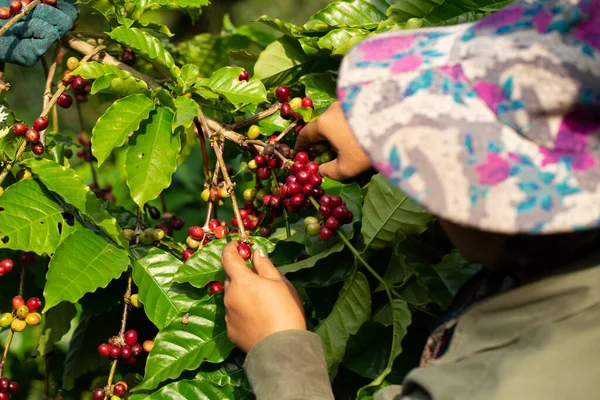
298, 200
312, 168
34, 304
65, 100
286, 111
67, 78
291, 179
104, 350
78, 84
284, 190
40, 123
297, 167
318, 192
213, 224
14, 387
332, 223
263, 173
244, 76
324, 211
136, 350
325, 201
128, 57
244, 213
267, 200
336, 201
20, 129
245, 251
130, 360
339, 212
303, 177
50, 2
307, 102
119, 389
307, 190
126, 352
4, 384
221, 232
348, 216
37, 148
302, 157
196, 232
260, 160
187, 254
283, 94
294, 188
326, 233
17, 302
215, 287
115, 351
7, 264
16, 6
131, 337
316, 180
4, 396
32, 135
274, 163
275, 202
178, 223
5, 13
99, 394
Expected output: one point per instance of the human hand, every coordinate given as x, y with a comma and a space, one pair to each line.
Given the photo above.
332, 127
258, 302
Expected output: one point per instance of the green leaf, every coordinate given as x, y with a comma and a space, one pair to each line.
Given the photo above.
341, 41
122, 87
321, 88
180, 348
152, 157
366, 356
311, 261
66, 183
272, 124
455, 271
364, 14
204, 266
226, 83
145, 24
94, 70
122, 118
286, 28
189, 75
187, 110
81, 264
455, 12
147, 46
189, 389
229, 373
56, 325
406, 9
350, 311
153, 272
146, 5
280, 62
30, 220
390, 215
104, 7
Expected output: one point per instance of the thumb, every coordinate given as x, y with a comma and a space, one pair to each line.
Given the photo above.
263, 266
234, 265
332, 170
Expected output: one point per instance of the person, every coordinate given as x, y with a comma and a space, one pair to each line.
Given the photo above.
32, 36
494, 127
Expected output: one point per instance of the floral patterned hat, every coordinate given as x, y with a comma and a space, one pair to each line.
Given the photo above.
494, 125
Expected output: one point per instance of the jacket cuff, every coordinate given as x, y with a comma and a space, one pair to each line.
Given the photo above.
289, 365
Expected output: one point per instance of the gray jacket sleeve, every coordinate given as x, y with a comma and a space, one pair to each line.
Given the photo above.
289, 365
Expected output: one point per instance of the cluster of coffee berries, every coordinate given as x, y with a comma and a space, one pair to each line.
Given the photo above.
32, 134
149, 236
24, 314
198, 236
288, 106
216, 194
264, 164
81, 87
125, 349
303, 183
6, 266
8, 387
323, 153
16, 6
334, 214
113, 393
128, 57
251, 216
169, 223
244, 76
85, 152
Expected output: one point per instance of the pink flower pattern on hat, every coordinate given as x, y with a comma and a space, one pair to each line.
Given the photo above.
494, 171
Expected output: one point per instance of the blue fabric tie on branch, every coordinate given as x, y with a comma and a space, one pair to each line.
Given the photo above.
32, 36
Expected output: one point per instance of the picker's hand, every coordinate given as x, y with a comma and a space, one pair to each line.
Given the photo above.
258, 302
332, 127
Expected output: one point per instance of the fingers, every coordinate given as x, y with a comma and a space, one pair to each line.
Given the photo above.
264, 267
308, 135
332, 170
234, 265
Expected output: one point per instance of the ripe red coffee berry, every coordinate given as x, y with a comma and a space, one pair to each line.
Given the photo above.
32, 135
4, 396
316, 180
326, 233
119, 389
302, 157
187, 254
67, 78
196, 232
50, 2
115, 351
291, 179
14, 387
283, 94
260, 160
5, 13
303, 177
339, 212
213, 224
286, 111
312, 168
37, 148
244, 76
128, 57
104, 350
131, 337
294, 188
275, 202
20, 129
221, 232
245, 251
136, 350
307, 102
332, 223
99, 394
4, 384
17, 302
298, 200
26, 258
263, 173
297, 167
307, 190
40, 123
16, 6
65, 100
7, 264
34, 304
325, 211
126, 352
216, 287
335, 201
267, 200
78, 84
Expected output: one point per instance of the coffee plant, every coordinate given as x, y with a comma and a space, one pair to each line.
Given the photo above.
110, 240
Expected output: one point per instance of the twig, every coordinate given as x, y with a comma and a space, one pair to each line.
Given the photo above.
6, 347
255, 118
292, 126
48, 88
200, 135
163, 202
211, 206
22, 281
18, 16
